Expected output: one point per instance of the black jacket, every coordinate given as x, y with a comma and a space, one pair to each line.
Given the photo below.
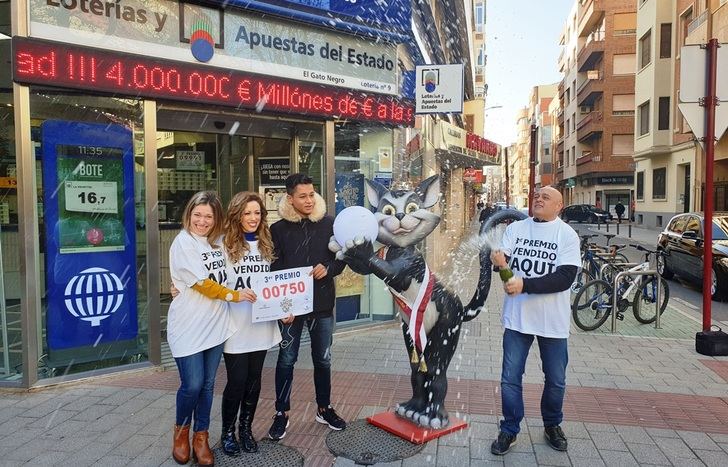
302, 242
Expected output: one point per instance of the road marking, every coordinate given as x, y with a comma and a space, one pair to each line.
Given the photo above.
685, 303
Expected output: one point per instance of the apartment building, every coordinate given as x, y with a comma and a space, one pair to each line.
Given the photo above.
518, 160
557, 126
474, 108
567, 144
664, 150
539, 101
605, 98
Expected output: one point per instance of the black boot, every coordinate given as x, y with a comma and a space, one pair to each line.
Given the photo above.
247, 413
230, 445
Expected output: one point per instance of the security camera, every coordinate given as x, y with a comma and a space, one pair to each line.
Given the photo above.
219, 125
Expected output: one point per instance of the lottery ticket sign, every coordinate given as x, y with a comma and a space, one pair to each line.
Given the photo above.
283, 292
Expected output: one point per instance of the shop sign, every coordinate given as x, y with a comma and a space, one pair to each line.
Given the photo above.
228, 38
571, 183
190, 160
626, 180
471, 175
456, 139
392, 13
274, 170
439, 89
8, 182
41, 62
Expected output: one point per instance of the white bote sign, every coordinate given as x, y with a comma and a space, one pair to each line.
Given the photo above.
439, 89
282, 292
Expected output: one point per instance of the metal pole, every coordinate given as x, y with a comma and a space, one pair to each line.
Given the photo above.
532, 171
657, 300
508, 183
708, 207
617, 228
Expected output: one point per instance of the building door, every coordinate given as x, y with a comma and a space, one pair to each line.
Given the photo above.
686, 190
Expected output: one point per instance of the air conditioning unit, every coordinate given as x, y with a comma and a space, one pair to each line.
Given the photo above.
585, 109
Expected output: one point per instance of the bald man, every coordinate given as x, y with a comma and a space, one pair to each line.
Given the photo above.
543, 253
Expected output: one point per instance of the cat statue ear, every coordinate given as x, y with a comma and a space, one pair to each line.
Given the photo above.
429, 191
375, 192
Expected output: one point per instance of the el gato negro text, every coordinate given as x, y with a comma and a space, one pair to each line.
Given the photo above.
113, 9
326, 51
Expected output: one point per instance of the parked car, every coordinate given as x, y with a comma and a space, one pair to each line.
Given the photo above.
585, 213
682, 242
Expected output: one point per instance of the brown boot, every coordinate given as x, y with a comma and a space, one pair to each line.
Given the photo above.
181, 444
201, 449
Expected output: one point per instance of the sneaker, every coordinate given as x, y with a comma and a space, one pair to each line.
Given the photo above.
503, 444
278, 428
327, 416
556, 438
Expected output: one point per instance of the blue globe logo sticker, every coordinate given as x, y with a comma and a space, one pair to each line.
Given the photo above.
430, 81
93, 295
201, 41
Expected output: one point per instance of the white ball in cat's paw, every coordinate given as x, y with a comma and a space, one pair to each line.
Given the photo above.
354, 222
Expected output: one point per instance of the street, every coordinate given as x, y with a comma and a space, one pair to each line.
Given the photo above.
685, 296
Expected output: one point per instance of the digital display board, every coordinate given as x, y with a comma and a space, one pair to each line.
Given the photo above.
63, 65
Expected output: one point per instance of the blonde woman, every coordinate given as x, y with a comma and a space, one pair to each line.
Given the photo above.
198, 321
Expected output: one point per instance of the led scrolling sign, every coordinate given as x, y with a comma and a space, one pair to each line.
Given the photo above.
63, 65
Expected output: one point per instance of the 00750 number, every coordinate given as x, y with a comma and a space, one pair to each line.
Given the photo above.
282, 290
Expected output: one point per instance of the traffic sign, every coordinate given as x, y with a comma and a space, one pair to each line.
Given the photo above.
693, 88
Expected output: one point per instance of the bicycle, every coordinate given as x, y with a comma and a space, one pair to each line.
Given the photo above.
594, 257
593, 303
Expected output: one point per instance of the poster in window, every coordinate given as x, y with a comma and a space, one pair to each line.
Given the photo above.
385, 159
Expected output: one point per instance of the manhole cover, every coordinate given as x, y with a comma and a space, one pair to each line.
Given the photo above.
367, 445
269, 453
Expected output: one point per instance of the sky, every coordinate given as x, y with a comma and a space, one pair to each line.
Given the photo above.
522, 43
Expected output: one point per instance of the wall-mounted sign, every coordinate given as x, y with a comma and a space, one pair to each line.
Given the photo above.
439, 89
190, 160
471, 175
227, 38
40, 62
274, 170
624, 180
90, 235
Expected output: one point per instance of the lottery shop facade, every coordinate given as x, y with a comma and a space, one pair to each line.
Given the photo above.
116, 114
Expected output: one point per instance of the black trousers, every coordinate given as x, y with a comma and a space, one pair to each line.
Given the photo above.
243, 387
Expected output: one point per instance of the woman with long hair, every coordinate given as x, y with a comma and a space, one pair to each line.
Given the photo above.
199, 321
249, 248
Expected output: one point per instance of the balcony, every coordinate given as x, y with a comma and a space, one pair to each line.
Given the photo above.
591, 89
560, 117
560, 145
589, 127
592, 51
590, 14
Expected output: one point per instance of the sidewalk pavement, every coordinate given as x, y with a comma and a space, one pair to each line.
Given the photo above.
631, 400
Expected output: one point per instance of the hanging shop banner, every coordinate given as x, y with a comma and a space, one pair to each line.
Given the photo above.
41, 62
282, 292
439, 89
90, 249
226, 38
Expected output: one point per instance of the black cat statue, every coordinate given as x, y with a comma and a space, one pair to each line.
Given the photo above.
431, 314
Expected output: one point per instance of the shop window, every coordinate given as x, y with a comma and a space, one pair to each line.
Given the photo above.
89, 158
11, 282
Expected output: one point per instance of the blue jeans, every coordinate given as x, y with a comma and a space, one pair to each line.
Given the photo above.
554, 358
320, 330
194, 396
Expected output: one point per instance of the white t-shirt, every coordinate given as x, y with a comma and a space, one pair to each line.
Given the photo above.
250, 337
196, 322
537, 249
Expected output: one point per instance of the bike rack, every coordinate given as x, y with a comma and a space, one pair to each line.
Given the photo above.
621, 274
604, 266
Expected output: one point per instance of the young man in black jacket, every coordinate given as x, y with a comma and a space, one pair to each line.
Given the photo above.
300, 239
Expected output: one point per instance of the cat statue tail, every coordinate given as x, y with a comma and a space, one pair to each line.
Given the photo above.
505, 216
